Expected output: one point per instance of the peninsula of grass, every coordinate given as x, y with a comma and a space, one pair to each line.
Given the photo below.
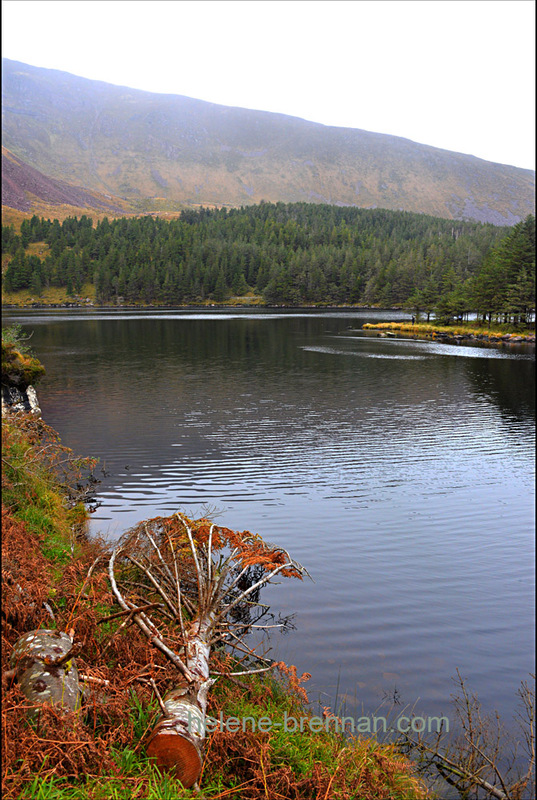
433, 330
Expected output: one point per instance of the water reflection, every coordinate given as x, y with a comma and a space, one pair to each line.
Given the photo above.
494, 380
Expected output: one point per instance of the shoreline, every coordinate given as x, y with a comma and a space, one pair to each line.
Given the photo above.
47, 556
142, 307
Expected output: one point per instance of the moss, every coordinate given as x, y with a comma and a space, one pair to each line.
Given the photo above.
19, 369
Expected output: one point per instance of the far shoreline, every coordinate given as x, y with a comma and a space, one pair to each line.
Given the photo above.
454, 333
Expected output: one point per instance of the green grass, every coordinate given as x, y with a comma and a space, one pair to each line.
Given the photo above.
34, 496
36, 467
140, 780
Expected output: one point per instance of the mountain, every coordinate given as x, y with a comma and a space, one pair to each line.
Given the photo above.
171, 150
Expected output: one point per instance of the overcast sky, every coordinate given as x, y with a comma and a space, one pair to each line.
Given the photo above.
456, 74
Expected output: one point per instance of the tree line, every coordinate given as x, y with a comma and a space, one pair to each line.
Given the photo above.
290, 254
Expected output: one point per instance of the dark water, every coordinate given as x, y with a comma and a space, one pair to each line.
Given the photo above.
400, 473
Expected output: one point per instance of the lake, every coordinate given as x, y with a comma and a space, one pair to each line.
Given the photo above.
399, 472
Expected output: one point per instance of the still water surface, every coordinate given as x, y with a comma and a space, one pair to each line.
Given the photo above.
400, 473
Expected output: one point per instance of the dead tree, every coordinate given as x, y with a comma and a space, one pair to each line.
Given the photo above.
43, 664
190, 586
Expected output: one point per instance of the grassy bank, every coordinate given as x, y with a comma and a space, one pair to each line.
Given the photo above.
57, 295
54, 577
52, 295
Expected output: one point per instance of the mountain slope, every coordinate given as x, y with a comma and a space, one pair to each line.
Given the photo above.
23, 187
139, 145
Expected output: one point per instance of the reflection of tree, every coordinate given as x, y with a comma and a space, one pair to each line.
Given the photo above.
508, 383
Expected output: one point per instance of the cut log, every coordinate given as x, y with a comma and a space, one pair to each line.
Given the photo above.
46, 672
178, 737
177, 740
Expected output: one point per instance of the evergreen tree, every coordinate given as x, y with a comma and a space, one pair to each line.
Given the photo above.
290, 254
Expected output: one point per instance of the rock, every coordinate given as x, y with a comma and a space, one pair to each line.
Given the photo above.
14, 399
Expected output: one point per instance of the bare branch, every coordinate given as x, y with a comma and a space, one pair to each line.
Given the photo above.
177, 586
201, 583
209, 556
137, 616
132, 610
456, 769
245, 672
159, 698
490, 762
156, 584
223, 569
167, 569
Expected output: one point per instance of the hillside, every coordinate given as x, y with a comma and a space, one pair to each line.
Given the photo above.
169, 149
26, 189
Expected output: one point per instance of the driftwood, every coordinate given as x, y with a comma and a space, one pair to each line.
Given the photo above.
206, 582
42, 662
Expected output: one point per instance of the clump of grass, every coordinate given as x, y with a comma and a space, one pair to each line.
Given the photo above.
297, 765
39, 482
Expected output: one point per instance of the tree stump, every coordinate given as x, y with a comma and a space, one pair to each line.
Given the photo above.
46, 672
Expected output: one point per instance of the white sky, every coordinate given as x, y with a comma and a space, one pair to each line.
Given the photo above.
456, 74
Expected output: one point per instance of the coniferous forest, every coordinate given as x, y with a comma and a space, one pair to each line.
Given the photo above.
288, 254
